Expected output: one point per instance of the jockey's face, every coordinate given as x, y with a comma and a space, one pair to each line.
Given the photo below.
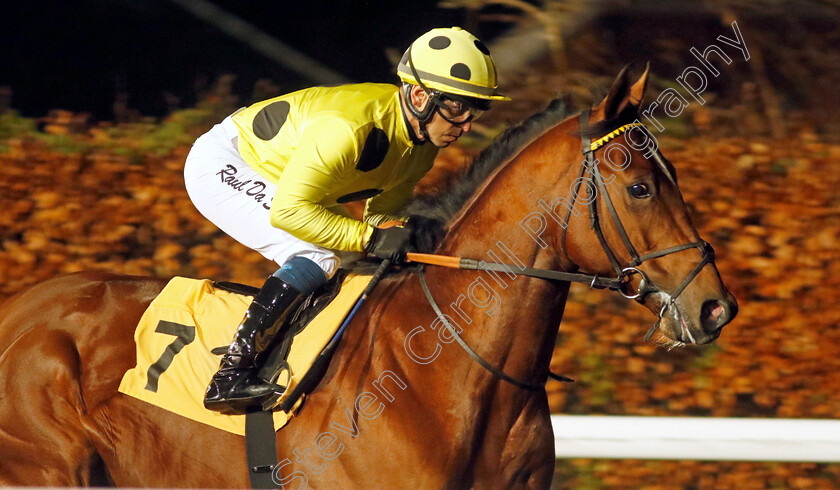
442, 131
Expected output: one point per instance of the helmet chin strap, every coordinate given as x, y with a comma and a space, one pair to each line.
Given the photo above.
421, 116
428, 111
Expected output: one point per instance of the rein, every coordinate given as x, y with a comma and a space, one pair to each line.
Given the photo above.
646, 286
594, 281
477, 358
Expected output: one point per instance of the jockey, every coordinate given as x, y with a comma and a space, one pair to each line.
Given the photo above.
274, 175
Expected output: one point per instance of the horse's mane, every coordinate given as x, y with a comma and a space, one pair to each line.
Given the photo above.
460, 187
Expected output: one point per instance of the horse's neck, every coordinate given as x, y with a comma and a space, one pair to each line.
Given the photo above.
510, 320
512, 324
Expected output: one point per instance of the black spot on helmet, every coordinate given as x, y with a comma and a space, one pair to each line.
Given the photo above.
460, 70
439, 42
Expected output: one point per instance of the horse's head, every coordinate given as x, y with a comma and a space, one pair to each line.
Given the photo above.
630, 219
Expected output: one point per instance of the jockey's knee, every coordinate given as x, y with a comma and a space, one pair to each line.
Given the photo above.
303, 274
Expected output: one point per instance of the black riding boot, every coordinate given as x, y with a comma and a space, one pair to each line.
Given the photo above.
237, 386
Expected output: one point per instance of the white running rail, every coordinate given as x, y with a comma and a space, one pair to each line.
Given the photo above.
696, 438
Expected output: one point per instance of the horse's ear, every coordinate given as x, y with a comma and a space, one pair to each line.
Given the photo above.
617, 95
637, 90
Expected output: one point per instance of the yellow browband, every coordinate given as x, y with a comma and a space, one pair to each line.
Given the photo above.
603, 141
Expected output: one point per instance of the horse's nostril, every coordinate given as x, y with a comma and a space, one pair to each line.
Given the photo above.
713, 315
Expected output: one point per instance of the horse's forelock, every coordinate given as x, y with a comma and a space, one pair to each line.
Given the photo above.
601, 128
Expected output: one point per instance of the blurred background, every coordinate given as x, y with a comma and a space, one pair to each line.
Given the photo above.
101, 99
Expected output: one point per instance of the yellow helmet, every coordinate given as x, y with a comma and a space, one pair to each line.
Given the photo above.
452, 61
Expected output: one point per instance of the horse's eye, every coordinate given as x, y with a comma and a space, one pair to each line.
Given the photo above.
639, 191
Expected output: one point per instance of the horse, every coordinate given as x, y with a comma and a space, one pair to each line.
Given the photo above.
401, 405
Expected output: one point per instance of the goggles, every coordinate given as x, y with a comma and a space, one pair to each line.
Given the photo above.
456, 112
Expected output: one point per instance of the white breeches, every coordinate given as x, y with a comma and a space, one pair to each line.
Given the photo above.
234, 197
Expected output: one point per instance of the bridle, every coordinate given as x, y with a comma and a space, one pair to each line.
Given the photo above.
623, 273
645, 285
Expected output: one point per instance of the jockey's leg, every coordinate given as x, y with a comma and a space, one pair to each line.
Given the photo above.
236, 198
236, 385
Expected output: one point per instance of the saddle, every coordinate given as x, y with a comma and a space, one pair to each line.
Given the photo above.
203, 315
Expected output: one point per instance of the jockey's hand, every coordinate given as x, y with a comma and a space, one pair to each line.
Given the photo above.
390, 243
426, 233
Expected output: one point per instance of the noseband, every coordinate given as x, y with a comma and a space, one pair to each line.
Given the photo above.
623, 272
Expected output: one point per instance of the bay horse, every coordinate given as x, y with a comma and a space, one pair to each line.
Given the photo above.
401, 405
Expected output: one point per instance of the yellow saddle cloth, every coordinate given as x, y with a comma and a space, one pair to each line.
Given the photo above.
188, 319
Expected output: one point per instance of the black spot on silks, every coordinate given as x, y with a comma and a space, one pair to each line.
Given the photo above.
481, 47
358, 196
374, 151
270, 119
439, 42
460, 70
